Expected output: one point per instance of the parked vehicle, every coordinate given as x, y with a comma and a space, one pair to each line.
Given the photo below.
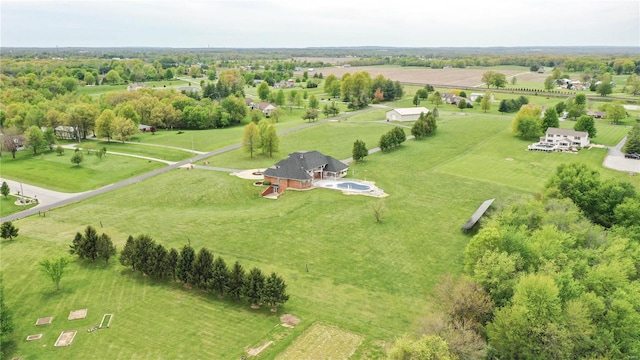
632, 156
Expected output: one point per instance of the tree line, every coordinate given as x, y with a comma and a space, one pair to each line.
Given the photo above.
203, 271
543, 279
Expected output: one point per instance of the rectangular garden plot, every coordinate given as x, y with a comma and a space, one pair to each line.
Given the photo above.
44, 321
106, 321
66, 338
78, 314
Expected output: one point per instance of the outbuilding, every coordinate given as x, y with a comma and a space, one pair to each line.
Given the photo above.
406, 114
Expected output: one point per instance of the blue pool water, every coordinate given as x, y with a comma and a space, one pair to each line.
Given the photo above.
353, 186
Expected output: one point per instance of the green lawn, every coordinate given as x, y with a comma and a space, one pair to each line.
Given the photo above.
96, 91
8, 206
156, 152
58, 173
342, 268
332, 138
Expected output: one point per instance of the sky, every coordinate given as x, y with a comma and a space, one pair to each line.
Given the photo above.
320, 23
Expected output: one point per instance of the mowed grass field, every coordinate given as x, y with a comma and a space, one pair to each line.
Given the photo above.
343, 269
49, 170
332, 138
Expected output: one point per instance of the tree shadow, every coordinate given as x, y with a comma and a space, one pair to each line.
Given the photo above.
53, 294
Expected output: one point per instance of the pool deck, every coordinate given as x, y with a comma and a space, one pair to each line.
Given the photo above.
373, 190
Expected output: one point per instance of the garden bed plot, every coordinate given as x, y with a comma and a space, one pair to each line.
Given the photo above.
44, 321
78, 314
106, 321
66, 338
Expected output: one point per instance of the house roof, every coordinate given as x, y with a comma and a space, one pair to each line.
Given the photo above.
265, 105
566, 132
296, 165
411, 110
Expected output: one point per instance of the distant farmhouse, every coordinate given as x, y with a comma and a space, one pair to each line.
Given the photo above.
66, 132
300, 169
453, 99
137, 86
556, 139
263, 106
406, 114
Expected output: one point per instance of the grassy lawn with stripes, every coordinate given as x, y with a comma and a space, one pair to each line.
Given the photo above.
342, 268
342, 135
58, 173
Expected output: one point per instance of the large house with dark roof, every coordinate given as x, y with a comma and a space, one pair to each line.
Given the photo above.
300, 169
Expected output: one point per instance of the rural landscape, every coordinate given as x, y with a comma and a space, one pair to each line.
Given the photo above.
320, 203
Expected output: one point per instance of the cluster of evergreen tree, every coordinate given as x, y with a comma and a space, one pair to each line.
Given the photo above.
203, 271
393, 138
512, 105
425, 126
92, 246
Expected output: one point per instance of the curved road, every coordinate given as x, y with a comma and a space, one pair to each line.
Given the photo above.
52, 199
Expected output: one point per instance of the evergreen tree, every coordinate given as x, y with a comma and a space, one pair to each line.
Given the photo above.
185, 263
85, 245
172, 263
220, 277
105, 248
254, 287
126, 255
236, 281
632, 146
503, 106
8, 230
160, 262
4, 189
275, 291
143, 254
202, 268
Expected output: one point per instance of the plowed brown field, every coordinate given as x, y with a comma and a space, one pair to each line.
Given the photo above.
452, 76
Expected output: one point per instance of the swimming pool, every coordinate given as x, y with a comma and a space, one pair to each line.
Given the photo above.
353, 186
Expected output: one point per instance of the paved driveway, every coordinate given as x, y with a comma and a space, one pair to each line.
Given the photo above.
615, 159
44, 196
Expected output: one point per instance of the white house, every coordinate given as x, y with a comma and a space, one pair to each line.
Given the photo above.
565, 138
406, 114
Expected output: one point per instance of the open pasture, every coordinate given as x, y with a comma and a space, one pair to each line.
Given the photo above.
342, 268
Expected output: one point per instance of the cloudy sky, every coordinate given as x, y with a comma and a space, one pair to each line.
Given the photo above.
303, 23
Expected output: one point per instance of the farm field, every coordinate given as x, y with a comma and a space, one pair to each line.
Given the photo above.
455, 77
343, 270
